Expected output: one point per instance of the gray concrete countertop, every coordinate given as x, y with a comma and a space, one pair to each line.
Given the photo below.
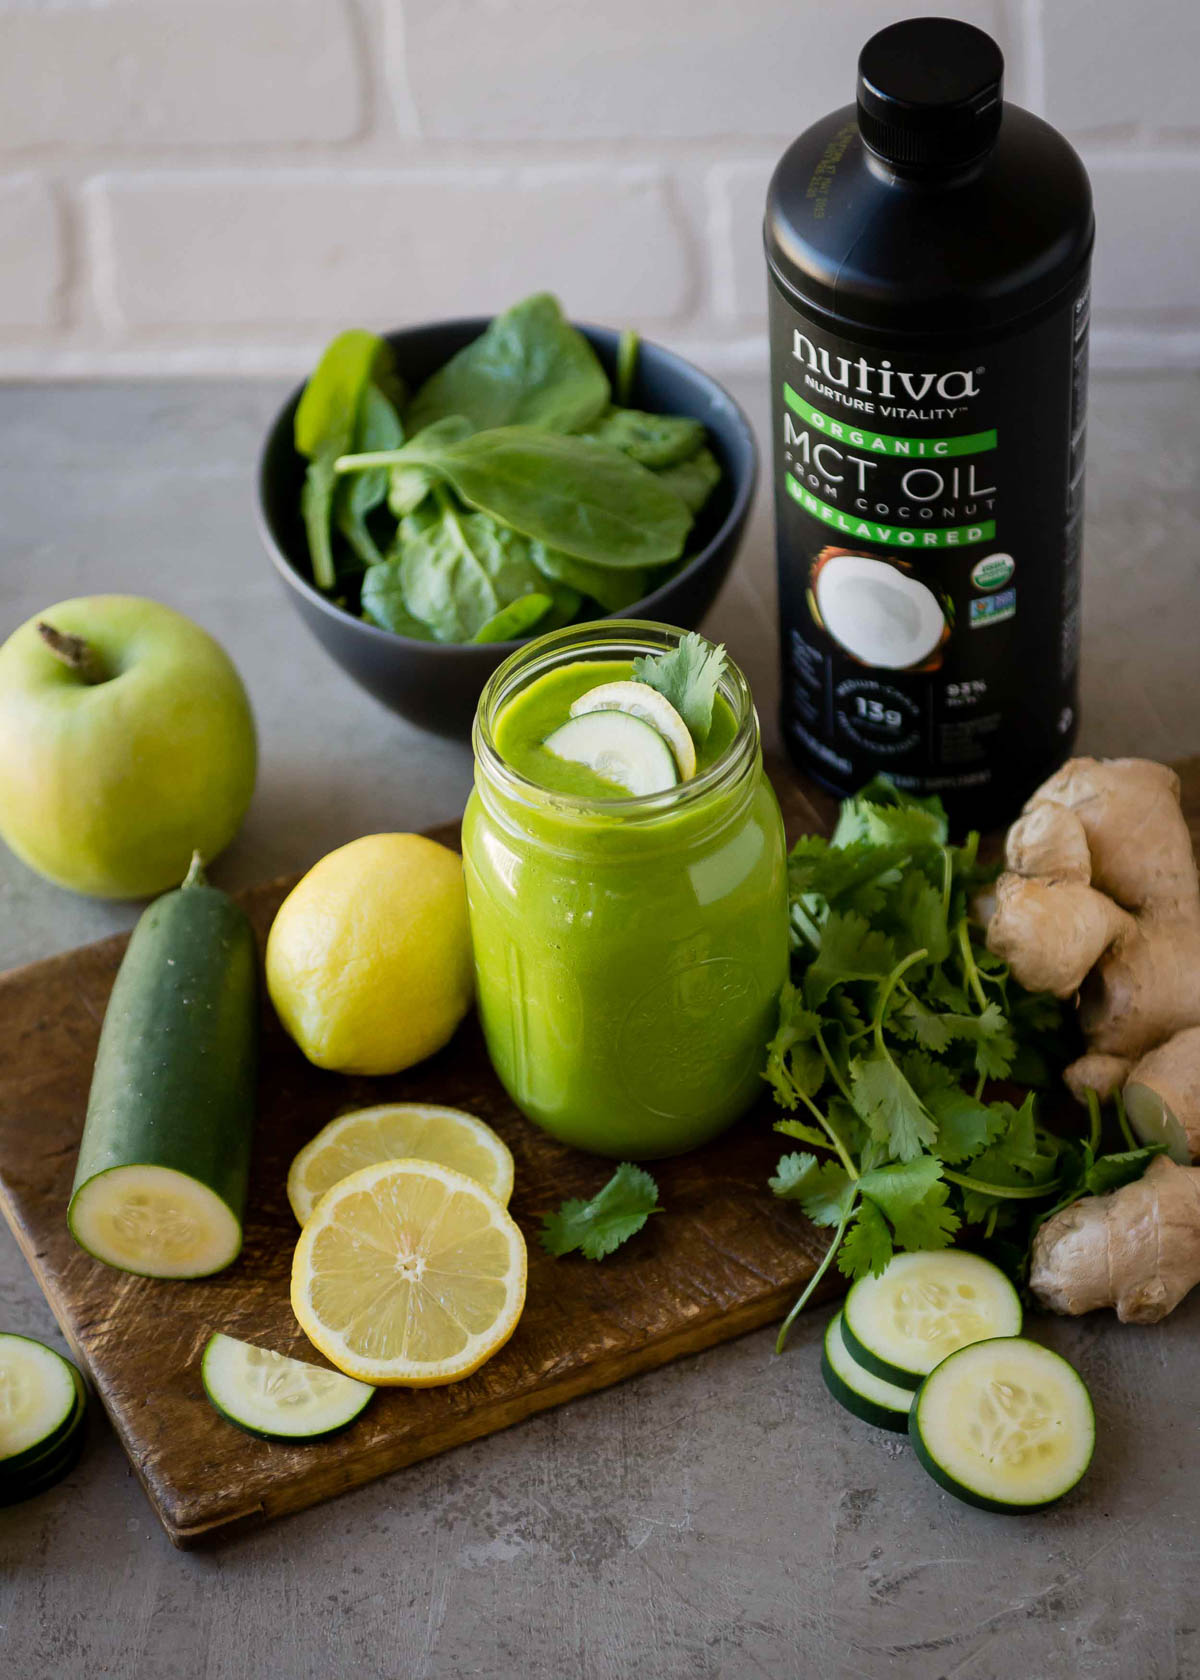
718, 1518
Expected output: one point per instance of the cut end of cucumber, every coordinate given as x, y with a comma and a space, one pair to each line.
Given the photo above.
641, 701
40, 1397
620, 748
884, 1404
154, 1221
283, 1399
1006, 1425
923, 1307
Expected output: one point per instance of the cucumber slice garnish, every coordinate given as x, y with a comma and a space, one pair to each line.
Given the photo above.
618, 747
869, 1397
1006, 1425
41, 1401
923, 1307
154, 1221
646, 703
279, 1398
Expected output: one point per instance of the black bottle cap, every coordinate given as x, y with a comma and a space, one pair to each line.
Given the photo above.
929, 93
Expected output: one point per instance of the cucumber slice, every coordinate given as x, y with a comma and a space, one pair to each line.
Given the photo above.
41, 1400
642, 701
882, 1403
278, 1398
619, 747
923, 1307
17, 1471
155, 1221
1005, 1425
40, 1478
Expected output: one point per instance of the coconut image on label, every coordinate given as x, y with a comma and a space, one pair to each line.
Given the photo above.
878, 613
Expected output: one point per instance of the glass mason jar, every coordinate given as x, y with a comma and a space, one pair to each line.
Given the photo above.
629, 952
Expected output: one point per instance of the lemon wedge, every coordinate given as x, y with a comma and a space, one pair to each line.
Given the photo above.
408, 1273
393, 1132
641, 701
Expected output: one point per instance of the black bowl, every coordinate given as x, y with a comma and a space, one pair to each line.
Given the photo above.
436, 684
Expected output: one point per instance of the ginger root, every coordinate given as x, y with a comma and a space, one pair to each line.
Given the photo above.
1100, 900
1162, 1095
1136, 1249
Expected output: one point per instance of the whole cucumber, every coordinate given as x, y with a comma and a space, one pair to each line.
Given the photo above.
160, 1186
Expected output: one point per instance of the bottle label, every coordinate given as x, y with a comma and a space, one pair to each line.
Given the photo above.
929, 509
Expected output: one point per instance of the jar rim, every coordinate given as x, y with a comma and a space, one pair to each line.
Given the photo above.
608, 638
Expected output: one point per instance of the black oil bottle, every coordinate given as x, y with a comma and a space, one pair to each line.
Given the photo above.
928, 254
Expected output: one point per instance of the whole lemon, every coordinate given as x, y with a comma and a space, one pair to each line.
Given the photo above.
369, 959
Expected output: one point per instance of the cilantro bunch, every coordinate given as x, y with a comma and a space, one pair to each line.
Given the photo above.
895, 1022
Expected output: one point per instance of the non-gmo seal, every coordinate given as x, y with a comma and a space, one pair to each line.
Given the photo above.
992, 571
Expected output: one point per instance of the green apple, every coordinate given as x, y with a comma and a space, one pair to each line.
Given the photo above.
126, 744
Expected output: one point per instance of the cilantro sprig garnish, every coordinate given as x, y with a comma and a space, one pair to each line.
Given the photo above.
611, 1217
688, 676
895, 1021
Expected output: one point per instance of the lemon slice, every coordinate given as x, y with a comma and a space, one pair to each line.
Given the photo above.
408, 1273
393, 1132
647, 704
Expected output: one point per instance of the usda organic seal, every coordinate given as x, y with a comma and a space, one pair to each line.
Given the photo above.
992, 571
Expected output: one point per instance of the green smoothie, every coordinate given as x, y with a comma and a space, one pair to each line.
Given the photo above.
629, 953
535, 713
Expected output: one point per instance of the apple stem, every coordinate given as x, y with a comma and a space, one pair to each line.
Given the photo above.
73, 651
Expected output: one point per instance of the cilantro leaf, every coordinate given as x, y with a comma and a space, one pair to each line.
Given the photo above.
1018, 1150
824, 1189
885, 1100
911, 1019
921, 917
866, 1246
850, 950
1111, 1172
831, 872
993, 1043
688, 676
907, 825
795, 1066
913, 1195
613, 1215
965, 1125
804, 1134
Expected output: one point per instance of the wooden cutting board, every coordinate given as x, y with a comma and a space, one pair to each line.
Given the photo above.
725, 1257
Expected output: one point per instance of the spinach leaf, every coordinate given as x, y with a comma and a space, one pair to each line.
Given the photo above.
516, 619
568, 492
693, 480
383, 603
529, 368
324, 428
378, 428
408, 486
328, 405
656, 440
458, 570
614, 587
565, 608
628, 346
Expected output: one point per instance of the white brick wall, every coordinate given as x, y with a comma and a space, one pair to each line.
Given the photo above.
218, 185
